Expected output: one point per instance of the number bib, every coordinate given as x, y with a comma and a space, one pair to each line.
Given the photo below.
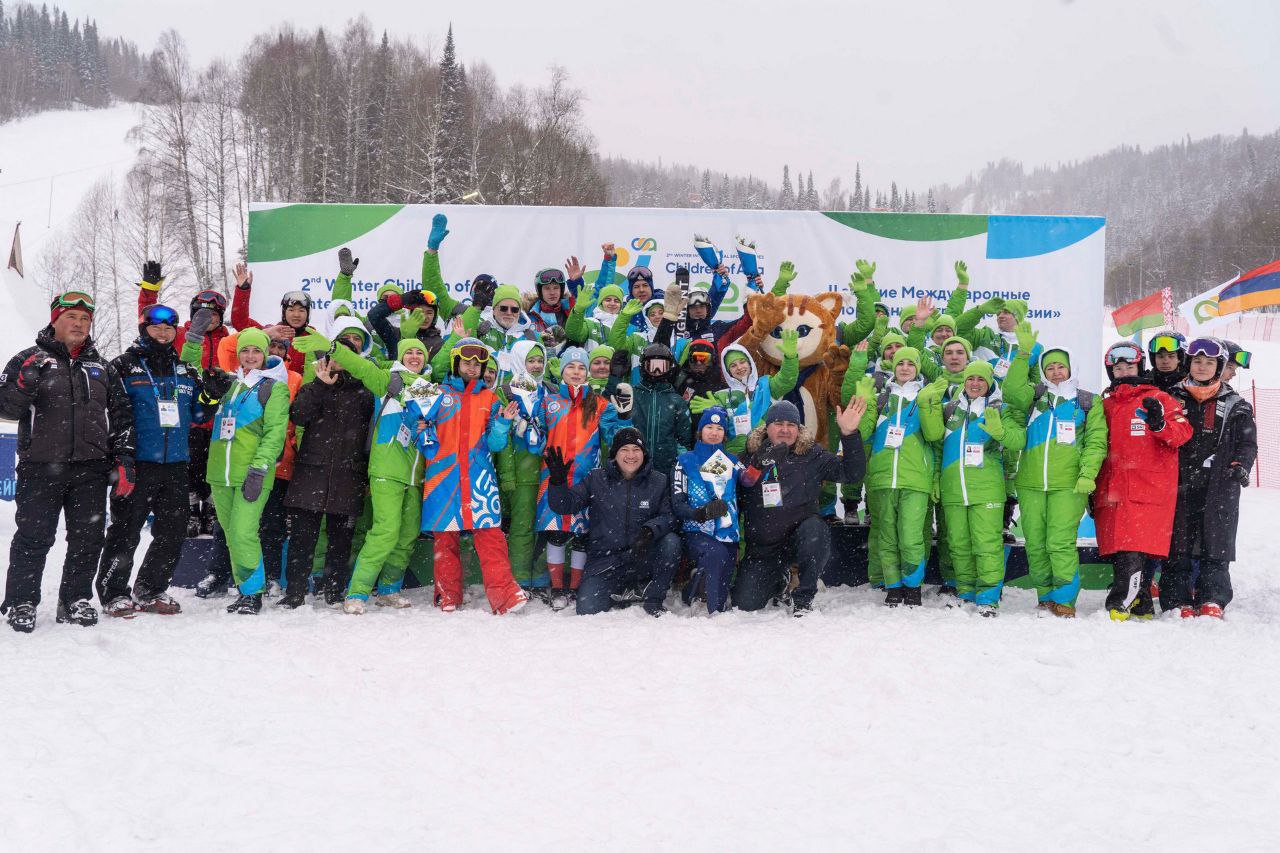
168, 410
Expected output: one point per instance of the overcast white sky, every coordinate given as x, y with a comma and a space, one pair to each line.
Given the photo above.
919, 92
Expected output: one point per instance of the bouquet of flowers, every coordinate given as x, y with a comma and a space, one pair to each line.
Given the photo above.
718, 471
423, 393
747, 259
525, 389
707, 251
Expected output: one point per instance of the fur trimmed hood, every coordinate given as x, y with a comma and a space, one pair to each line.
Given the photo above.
803, 444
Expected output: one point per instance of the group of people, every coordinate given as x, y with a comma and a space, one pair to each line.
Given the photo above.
597, 445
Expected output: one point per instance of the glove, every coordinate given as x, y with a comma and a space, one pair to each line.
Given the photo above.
553, 337
790, 345
216, 384
1236, 472
632, 308
483, 328
622, 399
1026, 337
412, 299
698, 405
29, 373
993, 423
201, 322
933, 392
992, 305
1085, 486
671, 303
709, 510
882, 326
410, 325
314, 342
482, 293
122, 478
962, 273
640, 548
1154, 413
768, 455
252, 486
866, 270
151, 275
347, 265
866, 388
786, 274
439, 230
557, 468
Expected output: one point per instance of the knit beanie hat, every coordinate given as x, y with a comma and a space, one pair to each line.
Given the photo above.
910, 354
979, 368
1016, 307
783, 410
252, 338
627, 436
505, 292
713, 415
956, 339
611, 290
1055, 356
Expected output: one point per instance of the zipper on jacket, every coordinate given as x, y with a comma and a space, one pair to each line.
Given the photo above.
1049, 439
964, 446
897, 416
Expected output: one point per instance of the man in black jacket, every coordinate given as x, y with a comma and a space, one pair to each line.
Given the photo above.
75, 435
778, 497
631, 542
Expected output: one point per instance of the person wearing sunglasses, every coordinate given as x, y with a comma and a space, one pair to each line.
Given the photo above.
500, 325
1214, 465
167, 399
1168, 352
460, 493
1137, 485
75, 438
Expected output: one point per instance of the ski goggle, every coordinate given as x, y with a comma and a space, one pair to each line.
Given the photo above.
1123, 354
159, 315
699, 297
1207, 347
1166, 343
638, 273
1241, 358
73, 299
471, 352
657, 365
701, 356
211, 299
551, 275
295, 297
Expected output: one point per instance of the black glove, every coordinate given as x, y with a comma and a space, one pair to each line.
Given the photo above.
1237, 473
557, 468
709, 510
201, 322
29, 373
623, 399
620, 364
216, 383
346, 264
483, 328
151, 272
768, 455
411, 299
640, 548
482, 293
252, 486
1155, 413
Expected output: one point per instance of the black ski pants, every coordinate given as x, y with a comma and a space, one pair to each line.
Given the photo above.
160, 490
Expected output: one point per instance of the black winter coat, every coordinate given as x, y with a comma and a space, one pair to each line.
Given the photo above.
1224, 432
77, 412
617, 507
330, 470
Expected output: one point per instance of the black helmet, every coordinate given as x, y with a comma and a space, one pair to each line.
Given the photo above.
657, 351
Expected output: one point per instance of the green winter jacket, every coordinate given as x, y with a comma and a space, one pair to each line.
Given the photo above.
967, 479
1053, 458
910, 465
258, 431
393, 454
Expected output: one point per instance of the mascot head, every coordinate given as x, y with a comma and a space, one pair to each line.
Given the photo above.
813, 317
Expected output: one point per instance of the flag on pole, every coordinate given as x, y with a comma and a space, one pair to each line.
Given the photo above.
1146, 313
15, 251
1253, 289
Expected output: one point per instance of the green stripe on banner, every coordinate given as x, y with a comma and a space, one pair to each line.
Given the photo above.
916, 227
298, 230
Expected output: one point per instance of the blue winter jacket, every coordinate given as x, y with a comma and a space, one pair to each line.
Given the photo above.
152, 373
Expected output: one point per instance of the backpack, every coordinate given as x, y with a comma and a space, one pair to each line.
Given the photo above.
1084, 399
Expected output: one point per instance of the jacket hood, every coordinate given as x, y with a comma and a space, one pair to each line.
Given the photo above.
753, 378
759, 435
519, 352
343, 325
274, 369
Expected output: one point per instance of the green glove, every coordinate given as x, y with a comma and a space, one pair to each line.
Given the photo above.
410, 325
992, 305
993, 424
586, 298
857, 284
962, 273
314, 342
698, 405
866, 270
1026, 337
866, 389
1085, 486
786, 275
790, 343
632, 308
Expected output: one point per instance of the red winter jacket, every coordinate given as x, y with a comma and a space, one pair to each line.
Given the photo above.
241, 320
1138, 484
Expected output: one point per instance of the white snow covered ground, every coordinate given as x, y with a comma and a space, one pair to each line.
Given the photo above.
856, 728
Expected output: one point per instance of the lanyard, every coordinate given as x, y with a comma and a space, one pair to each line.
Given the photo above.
155, 387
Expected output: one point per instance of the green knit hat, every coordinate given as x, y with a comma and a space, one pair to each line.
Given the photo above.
389, 288
601, 351
956, 339
505, 292
1055, 356
407, 344
979, 368
943, 320
891, 338
1016, 307
611, 290
907, 312
253, 338
734, 355
910, 354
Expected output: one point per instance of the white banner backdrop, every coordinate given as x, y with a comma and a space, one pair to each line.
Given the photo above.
1055, 263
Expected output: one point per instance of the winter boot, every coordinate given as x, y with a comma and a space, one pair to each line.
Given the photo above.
292, 600
121, 607
801, 609
208, 518
211, 586
559, 599
946, 591
1210, 609
353, 606
1064, 611
160, 602
1186, 611
514, 604
22, 618
393, 599
988, 610
334, 592
247, 605
893, 597
911, 596
654, 608
78, 613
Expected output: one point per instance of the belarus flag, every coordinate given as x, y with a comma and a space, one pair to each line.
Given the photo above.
1146, 313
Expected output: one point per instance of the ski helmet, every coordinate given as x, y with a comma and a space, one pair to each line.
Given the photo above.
1123, 352
1210, 348
657, 352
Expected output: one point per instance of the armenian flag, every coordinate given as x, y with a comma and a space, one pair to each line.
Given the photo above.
1146, 313
1253, 289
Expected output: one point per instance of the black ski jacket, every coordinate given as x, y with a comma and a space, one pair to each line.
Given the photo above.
618, 507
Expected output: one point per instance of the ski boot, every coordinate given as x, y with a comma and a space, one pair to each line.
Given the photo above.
292, 600
247, 605
393, 599
22, 618
122, 607
160, 602
78, 613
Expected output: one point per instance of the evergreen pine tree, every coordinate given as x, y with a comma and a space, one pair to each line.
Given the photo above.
786, 195
453, 170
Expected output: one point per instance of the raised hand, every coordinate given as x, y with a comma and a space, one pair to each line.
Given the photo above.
632, 308
573, 268
850, 416
962, 273
609, 251
786, 273
346, 264
244, 278
314, 342
1026, 337
866, 270
790, 345
439, 230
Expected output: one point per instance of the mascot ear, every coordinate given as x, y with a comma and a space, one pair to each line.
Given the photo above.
833, 302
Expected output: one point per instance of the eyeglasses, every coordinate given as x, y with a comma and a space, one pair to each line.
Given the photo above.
1210, 347
507, 309
1123, 354
159, 315
550, 276
638, 273
211, 299
1241, 358
73, 299
471, 352
1167, 343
